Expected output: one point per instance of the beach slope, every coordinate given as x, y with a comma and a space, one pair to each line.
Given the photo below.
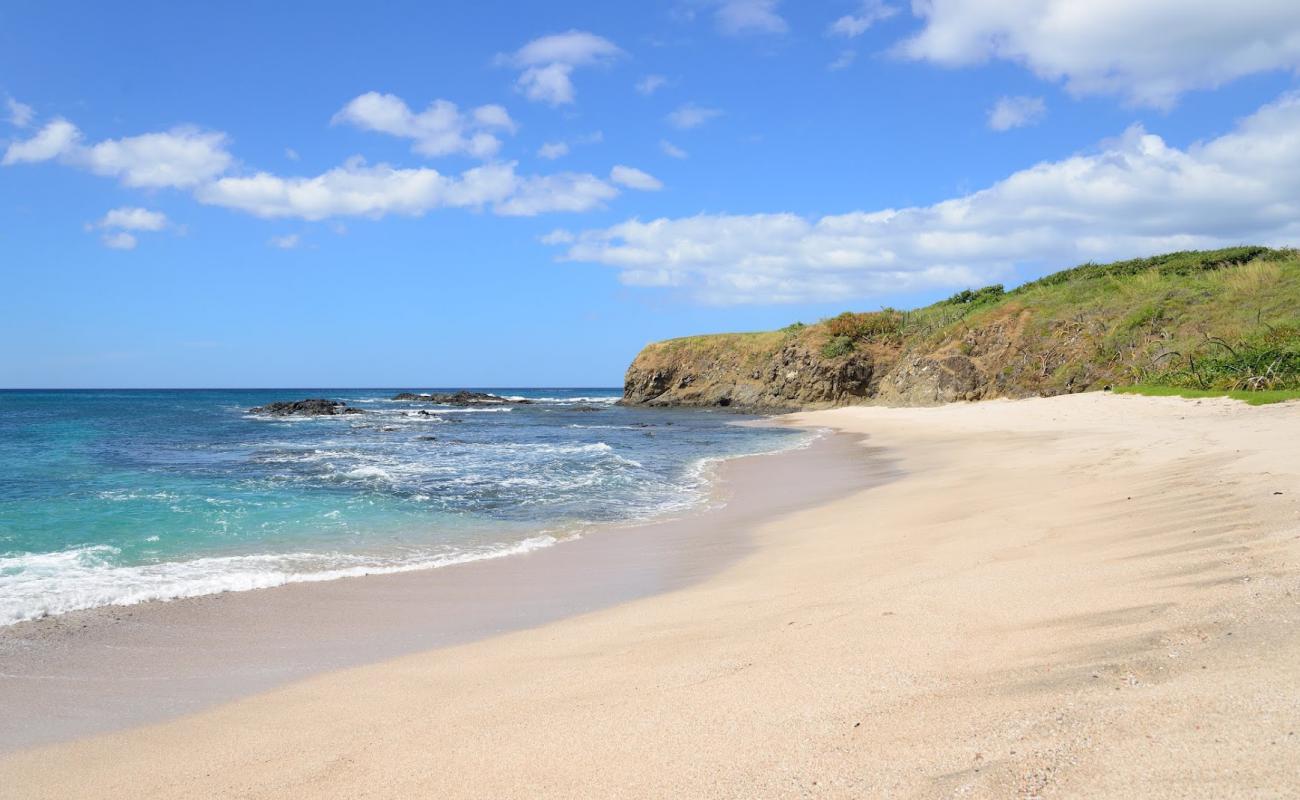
1086, 595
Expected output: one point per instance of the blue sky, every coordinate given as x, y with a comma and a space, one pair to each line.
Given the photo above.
523, 194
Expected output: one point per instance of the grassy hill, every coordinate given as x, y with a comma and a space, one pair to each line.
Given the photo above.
1207, 321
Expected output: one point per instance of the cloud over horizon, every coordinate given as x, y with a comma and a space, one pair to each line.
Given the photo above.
1135, 194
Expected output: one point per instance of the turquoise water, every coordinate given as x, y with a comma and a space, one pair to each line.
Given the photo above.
113, 497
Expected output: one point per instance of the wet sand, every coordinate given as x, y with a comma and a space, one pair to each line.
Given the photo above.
1086, 596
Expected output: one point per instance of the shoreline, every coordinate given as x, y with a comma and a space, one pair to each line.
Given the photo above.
177, 656
1075, 596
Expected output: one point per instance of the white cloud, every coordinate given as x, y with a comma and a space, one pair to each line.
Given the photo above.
182, 157
119, 241
553, 150
358, 189
57, 138
565, 191
671, 150
843, 61
557, 236
133, 219
869, 13
439, 130
118, 223
550, 84
651, 84
1016, 112
741, 17
20, 114
634, 178
691, 115
548, 63
1149, 52
1135, 195
287, 242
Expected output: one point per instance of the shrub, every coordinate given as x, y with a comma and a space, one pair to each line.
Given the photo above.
837, 346
870, 325
793, 327
968, 296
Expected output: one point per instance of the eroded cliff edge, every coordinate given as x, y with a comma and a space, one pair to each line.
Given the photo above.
1162, 318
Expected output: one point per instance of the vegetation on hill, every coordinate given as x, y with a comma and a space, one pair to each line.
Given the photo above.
1223, 320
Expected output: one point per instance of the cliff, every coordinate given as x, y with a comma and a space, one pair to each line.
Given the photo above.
1225, 319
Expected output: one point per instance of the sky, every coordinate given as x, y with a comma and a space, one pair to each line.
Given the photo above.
524, 194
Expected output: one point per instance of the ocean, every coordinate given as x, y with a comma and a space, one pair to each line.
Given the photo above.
122, 496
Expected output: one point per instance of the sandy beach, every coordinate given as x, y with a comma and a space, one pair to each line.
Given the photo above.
1082, 596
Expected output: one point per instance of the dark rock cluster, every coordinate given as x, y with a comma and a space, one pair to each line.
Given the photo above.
311, 407
461, 398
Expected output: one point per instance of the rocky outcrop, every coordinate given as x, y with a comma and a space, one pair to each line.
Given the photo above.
1007, 352
311, 407
460, 398
790, 375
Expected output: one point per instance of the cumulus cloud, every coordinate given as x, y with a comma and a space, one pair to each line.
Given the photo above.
358, 189
566, 191
118, 224
634, 178
1147, 52
742, 17
133, 219
440, 130
119, 241
1135, 194
691, 115
553, 150
869, 13
1016, 112
287, 242
57, 138
182, 157
651, 84
548, 62
671, 150
362, 190
20, 114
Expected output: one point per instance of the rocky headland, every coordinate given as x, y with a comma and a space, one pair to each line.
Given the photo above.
1217, 320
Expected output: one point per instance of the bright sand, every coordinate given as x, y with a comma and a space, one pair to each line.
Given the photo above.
1086, 596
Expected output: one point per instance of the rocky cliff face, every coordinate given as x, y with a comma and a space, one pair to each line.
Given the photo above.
1008, 353
789, 375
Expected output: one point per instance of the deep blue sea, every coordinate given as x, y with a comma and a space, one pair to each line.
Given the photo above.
116, 497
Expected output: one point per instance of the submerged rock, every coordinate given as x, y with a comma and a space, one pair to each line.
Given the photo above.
311, 407
461, 398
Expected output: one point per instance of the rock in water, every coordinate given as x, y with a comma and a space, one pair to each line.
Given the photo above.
461, 398
311, 407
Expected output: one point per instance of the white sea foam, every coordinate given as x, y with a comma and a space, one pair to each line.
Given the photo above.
37, 585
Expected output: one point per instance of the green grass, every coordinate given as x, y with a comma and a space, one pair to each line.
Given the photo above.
1254, 398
